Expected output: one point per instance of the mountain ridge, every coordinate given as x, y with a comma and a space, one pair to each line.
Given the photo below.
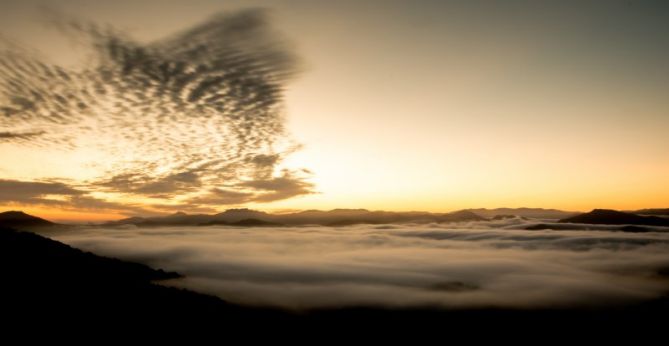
537, 213
335, 217
19, 219
614, 217
246, 217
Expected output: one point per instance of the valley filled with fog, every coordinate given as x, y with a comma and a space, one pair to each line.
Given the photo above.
459, 265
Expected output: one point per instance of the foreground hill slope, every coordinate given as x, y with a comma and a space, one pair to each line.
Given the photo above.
49, 283
50, 286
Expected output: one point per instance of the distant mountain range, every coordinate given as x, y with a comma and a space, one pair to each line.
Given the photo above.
657, 212
344, 217
336, 217
613, 217
534, 213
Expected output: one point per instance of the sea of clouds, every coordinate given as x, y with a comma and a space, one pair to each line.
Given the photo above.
476, 265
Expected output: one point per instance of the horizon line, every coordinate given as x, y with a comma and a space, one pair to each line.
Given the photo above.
294, 211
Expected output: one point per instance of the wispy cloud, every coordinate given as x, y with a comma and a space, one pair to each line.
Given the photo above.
19, 135
277, 188
28, 191
57, 194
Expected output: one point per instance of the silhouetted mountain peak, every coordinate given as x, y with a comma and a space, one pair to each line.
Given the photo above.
465, 213
235, 215
20, 220
606, 212
240, 210
614, 217
14, 214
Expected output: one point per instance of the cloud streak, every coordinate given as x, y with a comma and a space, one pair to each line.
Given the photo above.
398, 265
13, 189
19, 135
57, 194
172, 119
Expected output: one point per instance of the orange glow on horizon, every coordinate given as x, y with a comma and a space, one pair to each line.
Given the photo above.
65, 216
450, 108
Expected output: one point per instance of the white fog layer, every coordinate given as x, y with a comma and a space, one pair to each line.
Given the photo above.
451, 266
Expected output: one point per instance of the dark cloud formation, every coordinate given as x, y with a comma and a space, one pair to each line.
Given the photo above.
223, 196
57, 194
163, 187
34, 192
399, 265
278, 188
196, 111
18, 135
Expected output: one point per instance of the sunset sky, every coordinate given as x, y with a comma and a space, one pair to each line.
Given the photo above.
393, 105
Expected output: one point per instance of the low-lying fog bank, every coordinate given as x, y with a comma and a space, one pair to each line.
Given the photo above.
458, 266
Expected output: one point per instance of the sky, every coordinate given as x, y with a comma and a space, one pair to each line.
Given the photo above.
394, 105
